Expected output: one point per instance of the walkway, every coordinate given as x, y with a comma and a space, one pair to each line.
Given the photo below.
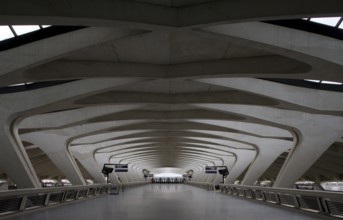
165, 202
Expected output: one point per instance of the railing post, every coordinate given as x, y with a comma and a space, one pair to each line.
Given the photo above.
77, 194
87, 193
64, 196
243, 192
47, 198
277, 198
22, 203
263, 196
296, 202
323, 208
253, 195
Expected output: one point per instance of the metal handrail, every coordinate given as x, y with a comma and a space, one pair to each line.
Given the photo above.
323, 203
203, 185
20, 200
130, 185
31, 191
329, 194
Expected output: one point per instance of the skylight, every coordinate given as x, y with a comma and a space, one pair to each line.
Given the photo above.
21, 84
5, 33
312, 80
11, 31
331, 82
24, 29
331, 21
323, 82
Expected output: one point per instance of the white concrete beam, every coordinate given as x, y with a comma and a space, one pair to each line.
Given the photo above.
262, 66
312, 98
268, 151
315, 133
16, 106
39, 52
319, 46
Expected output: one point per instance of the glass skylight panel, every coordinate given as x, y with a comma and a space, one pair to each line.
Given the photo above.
5, 33
312, 80
21, 84
331, 21
331, 82
24, 29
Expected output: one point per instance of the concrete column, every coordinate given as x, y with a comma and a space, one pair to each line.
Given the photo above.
315, 133
16, 106
244, 153
55, 148
88, 162
55, 145
15, 162
243, 160
267, 149
314, 143
267, 154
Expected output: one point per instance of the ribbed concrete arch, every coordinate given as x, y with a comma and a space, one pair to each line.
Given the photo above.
315, 99
254, 129
27, 104
223, 67
55, 142
209, 159
149, 148
143, 146
96, 138
71, 117
170, 84
268, 151
53, 48
328, 47
146, 162
308, 130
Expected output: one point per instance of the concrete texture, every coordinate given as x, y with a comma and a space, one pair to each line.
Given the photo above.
170, 84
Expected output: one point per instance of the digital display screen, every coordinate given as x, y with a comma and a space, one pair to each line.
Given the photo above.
120, 168
109, 167
212, 170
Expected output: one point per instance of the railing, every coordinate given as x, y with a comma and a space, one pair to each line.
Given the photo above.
202, 185
126, 186
320, 202
16, 201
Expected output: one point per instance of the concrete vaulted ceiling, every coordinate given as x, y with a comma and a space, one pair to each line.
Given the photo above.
172, 85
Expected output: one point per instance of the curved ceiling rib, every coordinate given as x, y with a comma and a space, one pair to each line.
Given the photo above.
183, 91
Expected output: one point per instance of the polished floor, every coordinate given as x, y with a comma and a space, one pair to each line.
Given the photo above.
165, 202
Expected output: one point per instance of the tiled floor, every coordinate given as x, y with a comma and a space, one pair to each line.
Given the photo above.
165, 202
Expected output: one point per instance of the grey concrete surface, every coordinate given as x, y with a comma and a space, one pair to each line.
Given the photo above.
168, 202
177, 60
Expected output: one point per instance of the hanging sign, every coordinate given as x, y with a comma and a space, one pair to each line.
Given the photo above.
212, 169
